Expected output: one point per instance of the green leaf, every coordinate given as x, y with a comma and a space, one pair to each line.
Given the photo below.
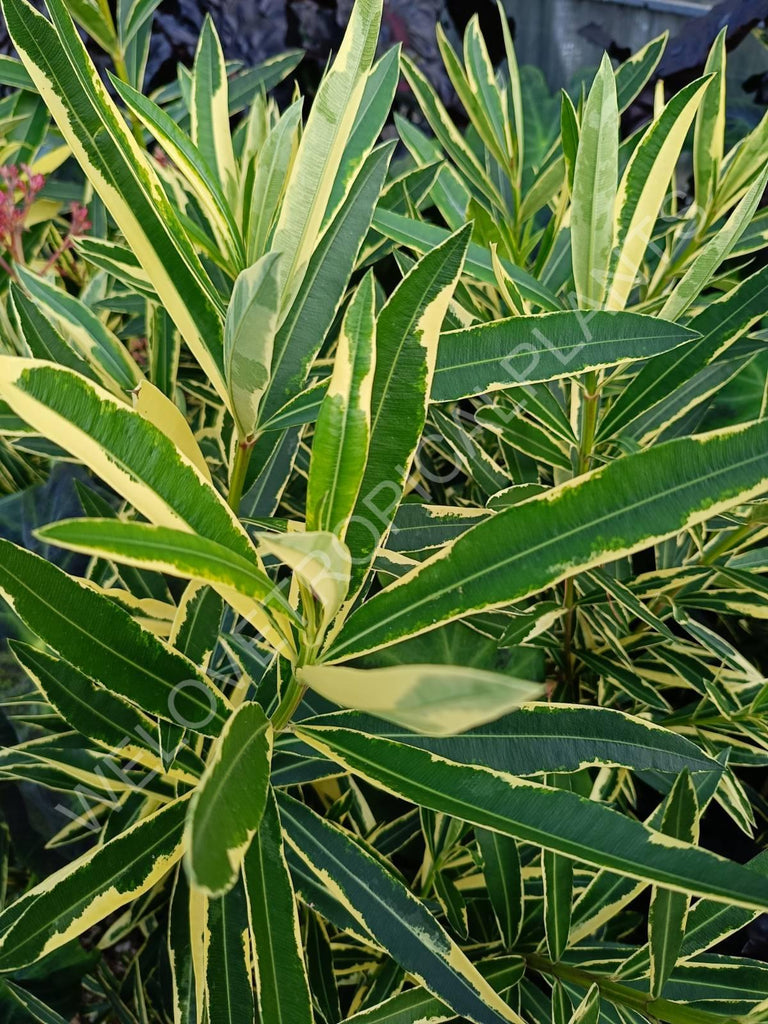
594, 189
94, 711
322, 289
190, 161
634, 73
644, 185
407, 333
228, 804
396, 919
34, 1007
120, 174
180, 950
551, 738
96, 636
436, 699
40, 335
417, 1005
375, 105
322, 145
281, 977
557, 880
504, 880
209, 109
119, 445
91, 888
447, 134
228, 957
554, 819
422, 237
703, 267
340, 445
93, 341
249, 338
668, 911
271, 168
709, 130
170, 551
588, 1010
629, 504
720, 324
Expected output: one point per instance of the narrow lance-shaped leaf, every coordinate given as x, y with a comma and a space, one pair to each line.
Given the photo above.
555, 819
120, 173
227, 806
668, 910
588, 1010
340, 445
322, 145
532, 349
271, 169
703, 267
375, 105
644, 185
249, 339
594, 189
96, 636
228, 960
324, 284
503, 875
180, 953
94, 342
557, 880
102, 716
720, 324
170, 551
281, 978
185, 155
709, 130
396, 919
209, 109
407, 333
41, 336
91, 888
422, 237
436, 699
623, 507
419, 1005
633, 74
120, 446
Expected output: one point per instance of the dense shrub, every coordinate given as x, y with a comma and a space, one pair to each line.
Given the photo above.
405, 661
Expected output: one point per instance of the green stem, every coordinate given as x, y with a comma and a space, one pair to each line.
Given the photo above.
286, 709
239, 471
661, 1009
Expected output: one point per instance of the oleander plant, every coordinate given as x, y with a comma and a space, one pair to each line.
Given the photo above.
401, 658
